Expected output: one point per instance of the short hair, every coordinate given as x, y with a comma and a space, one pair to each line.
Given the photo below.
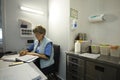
39, 29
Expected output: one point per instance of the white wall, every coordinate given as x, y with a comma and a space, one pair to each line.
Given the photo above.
59, 29
12, 13
106, 32
59, 23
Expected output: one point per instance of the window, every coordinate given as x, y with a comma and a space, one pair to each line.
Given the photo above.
1, 34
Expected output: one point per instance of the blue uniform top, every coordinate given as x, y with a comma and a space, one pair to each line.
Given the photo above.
47, 52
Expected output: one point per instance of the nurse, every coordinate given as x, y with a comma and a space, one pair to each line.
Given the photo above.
42, 47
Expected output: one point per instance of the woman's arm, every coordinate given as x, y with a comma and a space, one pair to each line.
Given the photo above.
29, 49
46, 55
43, 56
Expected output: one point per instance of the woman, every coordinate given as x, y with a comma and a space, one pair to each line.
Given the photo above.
42, 47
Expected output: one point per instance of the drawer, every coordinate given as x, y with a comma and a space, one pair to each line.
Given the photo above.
71, 76
75, 60
75, 69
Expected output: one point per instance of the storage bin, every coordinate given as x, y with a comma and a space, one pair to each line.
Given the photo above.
105, 50
115, 51
95, 49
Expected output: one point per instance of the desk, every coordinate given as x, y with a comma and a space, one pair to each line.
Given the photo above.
4, 65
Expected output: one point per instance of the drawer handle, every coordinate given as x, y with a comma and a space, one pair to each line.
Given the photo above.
74, 66
99, 68
74, 72
74, 60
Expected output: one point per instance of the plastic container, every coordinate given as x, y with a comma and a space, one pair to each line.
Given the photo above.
95, 49
77, 47
85, 45
105, 50
115, 51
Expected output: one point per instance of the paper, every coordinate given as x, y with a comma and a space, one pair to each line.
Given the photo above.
20, 72
9, 59
25, 58
89, 55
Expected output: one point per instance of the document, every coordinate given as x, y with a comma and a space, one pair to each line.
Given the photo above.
89, 55
25, 58
9, 59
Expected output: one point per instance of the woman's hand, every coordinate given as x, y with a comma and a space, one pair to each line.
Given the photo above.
23, 52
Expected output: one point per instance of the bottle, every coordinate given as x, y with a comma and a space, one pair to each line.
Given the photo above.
77, 47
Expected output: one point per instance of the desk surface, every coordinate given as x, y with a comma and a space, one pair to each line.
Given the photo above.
5, 64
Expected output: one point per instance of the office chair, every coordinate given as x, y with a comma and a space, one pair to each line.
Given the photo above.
1, 54
51, 71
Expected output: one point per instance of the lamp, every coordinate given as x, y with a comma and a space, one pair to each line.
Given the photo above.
31, 10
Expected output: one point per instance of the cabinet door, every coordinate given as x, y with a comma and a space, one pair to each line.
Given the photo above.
90, 71
96, 71
71, 76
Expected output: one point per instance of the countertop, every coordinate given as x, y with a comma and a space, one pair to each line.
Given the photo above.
103, 59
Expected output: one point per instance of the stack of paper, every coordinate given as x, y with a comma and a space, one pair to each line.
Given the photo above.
9, 59
89, 55
25, 58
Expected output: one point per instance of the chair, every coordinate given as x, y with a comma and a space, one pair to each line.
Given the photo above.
1, 54
51, 71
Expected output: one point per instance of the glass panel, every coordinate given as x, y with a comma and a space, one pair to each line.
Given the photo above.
0, 34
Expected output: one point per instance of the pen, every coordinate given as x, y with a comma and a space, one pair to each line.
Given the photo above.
16, 63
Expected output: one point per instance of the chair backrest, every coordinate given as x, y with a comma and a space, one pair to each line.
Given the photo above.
56, 56
55, 67
1, 54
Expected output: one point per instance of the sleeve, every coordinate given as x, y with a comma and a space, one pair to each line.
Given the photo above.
31, 47
48, 49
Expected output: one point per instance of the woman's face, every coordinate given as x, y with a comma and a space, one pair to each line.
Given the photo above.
39, 36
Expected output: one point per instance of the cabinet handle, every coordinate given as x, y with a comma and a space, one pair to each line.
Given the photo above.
99, 68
